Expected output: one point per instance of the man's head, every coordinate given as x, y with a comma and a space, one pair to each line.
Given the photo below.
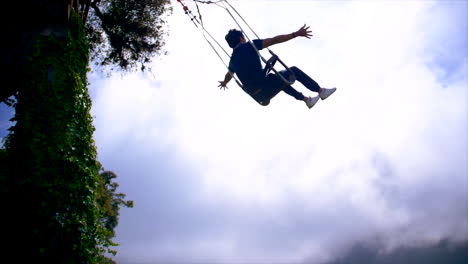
234, 37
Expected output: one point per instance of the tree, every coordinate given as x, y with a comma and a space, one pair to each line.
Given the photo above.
109, 203
61, 207
122, 34
125, 33
49, 170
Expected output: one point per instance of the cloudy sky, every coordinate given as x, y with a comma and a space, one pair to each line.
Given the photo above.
217, 178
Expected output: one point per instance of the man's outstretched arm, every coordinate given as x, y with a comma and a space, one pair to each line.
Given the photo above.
302, 32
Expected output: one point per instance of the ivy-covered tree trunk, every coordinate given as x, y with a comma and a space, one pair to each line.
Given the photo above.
50, 168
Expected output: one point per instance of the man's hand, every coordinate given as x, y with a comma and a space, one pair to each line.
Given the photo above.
304, 32
222, 85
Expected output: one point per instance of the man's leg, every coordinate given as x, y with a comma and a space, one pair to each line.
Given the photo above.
275, 84
312, 85
303, 78
293, 92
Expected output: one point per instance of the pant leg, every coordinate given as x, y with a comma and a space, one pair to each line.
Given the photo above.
303, 78
293, 92
274, 84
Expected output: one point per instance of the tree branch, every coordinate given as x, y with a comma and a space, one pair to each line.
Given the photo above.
86, 11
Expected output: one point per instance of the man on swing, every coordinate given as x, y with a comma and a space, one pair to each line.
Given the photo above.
245, 62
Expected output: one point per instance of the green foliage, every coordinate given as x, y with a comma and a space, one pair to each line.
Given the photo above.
127, 33
109, 202
49, 163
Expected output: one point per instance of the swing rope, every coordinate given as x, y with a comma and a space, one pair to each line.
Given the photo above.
222, 4
204, 31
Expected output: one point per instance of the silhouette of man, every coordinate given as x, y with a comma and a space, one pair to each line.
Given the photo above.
245, 62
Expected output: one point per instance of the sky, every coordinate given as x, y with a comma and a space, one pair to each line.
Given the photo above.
217, 178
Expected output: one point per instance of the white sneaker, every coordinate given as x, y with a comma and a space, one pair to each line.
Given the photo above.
311, 101
324, 93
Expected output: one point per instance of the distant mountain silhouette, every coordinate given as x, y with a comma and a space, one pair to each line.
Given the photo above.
443, 252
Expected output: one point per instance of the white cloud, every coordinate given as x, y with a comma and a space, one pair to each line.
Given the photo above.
217, 177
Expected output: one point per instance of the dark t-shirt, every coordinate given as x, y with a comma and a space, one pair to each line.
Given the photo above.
245, 62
